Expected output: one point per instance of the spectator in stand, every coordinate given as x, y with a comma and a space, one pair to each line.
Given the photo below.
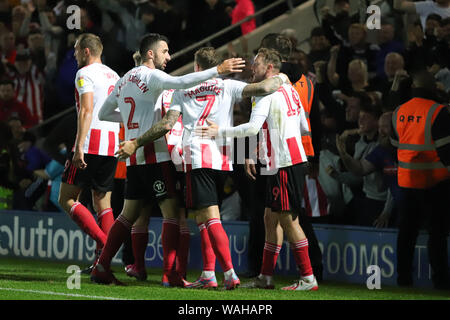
170, 21
358, 48
7, 185
337, 194
424, 8
8, 48
29, 84
320, 46
384, 160
416, 52
440, 51
66, 73
209, 18
27, 158
383, 84
335, 27
365, 208
36, 47
356, 79
243, 9
10, 107
18, 16
432, 23
387, 44
5, 13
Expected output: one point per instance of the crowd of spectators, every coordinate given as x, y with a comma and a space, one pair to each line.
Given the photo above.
359, 78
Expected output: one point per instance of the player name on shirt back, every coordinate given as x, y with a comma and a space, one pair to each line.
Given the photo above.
204, 86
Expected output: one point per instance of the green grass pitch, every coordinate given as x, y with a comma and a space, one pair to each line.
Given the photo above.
22, 279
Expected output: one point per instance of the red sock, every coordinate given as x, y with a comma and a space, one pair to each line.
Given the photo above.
183, 251
84, 219
105, 220
300, 250
209, 258
117, 235
220, 243
270, 256
139, 240
169, 238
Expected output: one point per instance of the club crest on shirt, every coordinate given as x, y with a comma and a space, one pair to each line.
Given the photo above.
159, 186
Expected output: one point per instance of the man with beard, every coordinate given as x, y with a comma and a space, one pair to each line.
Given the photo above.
383, 159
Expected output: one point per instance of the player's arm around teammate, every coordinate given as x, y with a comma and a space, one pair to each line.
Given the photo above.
127, 148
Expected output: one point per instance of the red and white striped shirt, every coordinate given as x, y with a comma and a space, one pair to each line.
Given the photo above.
213, 100
136, 95
282, 130
103, 136
29, 91
315, 200
174, 137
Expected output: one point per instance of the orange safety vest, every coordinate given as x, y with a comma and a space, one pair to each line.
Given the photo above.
121, 169
419, 166
305, 90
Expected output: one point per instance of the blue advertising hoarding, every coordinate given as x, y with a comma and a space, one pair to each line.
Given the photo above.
347, 251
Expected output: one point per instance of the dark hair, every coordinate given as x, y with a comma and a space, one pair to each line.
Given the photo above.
434, 16
278, 42
206, 57
317, 32
6, 81
445, 22
423, 79
367, 105
148, 42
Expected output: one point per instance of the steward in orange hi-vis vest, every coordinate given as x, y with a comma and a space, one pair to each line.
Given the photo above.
305, 90
419, 166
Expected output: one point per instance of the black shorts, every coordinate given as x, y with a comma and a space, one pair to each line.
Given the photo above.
98, 175
284, 190
204, 188
150, 181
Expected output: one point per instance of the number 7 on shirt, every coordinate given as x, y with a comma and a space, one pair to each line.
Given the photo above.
210, 98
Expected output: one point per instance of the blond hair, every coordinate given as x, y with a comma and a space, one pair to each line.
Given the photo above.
92, 42
271, 56
362, 65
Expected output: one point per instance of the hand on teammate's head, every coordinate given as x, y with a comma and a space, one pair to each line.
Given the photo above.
231, 65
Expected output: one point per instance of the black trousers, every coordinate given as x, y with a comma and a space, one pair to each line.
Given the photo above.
427, 208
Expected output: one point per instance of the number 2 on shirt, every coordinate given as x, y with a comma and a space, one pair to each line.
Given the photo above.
210, 98
130, 123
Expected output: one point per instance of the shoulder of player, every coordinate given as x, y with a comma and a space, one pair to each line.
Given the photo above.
234, 82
